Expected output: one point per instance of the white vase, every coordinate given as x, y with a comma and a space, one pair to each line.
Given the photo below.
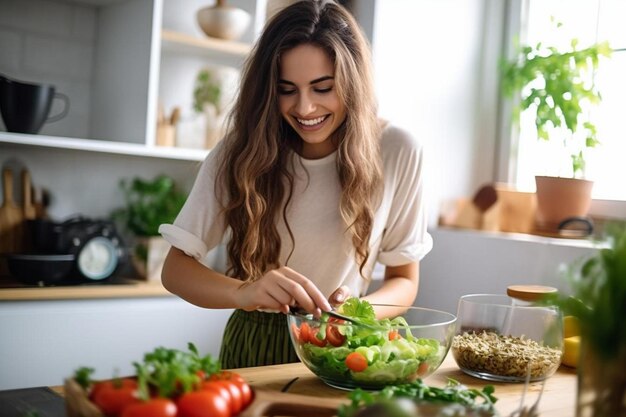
223, 21
214, 126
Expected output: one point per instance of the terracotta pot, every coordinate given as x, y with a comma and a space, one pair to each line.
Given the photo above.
559, 199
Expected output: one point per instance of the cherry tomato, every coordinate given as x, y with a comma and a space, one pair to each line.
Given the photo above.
305, 331
202, 404
333, 336
356, 362
215, 386
239, 382
112, 399
422, 369
313, 337
236, 398
246, 391
108, 384
156, 407
394, 335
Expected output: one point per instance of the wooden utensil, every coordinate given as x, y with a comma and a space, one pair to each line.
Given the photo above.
27, 197
11, 217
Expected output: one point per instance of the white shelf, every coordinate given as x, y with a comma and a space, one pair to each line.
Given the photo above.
172, 41
104, 146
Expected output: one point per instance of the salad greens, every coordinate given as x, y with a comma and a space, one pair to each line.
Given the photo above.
370, 356
418, 391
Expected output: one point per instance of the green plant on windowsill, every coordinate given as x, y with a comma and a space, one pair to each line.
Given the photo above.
555, 86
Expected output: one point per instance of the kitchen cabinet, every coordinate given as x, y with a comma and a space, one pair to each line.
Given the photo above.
44, 341
143, 52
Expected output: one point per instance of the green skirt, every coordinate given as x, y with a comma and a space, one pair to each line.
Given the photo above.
256, 339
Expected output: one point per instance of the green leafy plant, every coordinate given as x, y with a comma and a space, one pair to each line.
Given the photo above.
207, 90
598, 301
554, 86
148, 204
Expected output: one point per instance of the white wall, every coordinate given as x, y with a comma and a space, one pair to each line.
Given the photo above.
435, 62
470, 262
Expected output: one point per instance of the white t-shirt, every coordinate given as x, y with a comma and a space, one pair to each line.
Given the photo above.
323, 249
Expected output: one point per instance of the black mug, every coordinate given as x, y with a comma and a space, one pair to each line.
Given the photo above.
25, 106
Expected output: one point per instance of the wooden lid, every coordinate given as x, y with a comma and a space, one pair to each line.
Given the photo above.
529, 292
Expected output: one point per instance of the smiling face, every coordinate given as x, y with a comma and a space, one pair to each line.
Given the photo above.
308, 99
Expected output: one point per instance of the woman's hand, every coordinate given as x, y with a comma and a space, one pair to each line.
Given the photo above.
279, 289
340, 295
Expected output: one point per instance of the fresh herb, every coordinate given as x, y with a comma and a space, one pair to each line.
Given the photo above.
173, 371
418, 391
83, 377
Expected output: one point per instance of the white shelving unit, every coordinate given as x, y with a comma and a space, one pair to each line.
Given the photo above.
143, 62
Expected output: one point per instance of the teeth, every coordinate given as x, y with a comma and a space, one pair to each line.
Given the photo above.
312, 122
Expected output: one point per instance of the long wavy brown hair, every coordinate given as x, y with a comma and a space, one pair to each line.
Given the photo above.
255, 183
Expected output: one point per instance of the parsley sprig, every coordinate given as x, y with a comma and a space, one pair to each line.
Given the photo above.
418, 391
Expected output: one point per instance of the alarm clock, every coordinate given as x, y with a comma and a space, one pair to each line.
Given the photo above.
97, 248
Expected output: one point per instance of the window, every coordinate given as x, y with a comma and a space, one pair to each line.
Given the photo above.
589, 21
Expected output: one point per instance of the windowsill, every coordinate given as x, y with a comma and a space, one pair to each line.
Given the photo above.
587, 242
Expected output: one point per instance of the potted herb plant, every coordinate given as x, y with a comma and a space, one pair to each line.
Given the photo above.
148, 204
598, 301
556, 87
207, 100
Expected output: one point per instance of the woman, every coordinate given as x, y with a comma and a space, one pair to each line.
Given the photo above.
308, 188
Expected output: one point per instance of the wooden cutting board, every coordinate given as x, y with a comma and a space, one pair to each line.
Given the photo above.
11, 217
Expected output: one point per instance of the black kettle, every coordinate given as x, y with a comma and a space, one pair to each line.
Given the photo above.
25, 106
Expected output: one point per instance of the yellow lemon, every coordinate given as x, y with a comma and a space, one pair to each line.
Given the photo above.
571, 351
571, 327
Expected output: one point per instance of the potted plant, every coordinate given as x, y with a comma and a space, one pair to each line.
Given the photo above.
556, 88
207, 100
598, 301
148, 204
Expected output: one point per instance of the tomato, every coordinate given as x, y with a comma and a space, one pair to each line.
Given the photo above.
237, 380
113, 396
394, 335
236, 398
202, 404
313, 337
108, 384
246, 391
422, 369
156, 407
356, 362
305, 331
215, 386
333, 336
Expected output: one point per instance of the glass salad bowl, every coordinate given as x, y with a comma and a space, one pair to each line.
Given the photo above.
372, 354
499, 338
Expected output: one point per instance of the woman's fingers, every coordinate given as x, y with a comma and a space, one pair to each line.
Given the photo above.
305, 293
280, 288
339, 295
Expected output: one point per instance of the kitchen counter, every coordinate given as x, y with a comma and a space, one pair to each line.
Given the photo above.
126, 289
558, 400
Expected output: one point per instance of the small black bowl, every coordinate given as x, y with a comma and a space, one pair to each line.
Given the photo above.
33, 269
